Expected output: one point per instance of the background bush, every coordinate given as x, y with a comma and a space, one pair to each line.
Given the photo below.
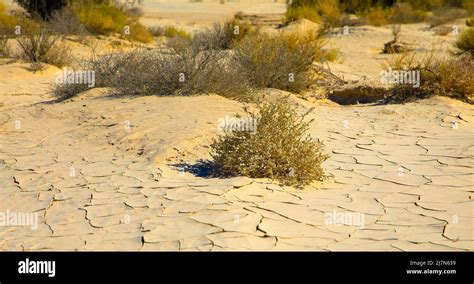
449, 77
279, 149
168, 31
182, 68
225, 35
269, 61
38, 48
378, 12
465, 41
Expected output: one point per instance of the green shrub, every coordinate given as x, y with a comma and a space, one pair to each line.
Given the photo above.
281, 61
280, 148
465, 41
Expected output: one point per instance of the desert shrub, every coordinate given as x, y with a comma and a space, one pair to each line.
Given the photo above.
449, 77
330, 54
330, 12
327, 11
182, 68
8, 23
102, 17
470, 22
280, 61
138, 32
427, 5
65, 22
280, 148
403, 13
5, 50
358, 6
168, 31
376, 16
224, 36
465, 41
38, 48
294, 13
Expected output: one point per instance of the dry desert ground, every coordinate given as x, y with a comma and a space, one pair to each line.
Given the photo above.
118, 173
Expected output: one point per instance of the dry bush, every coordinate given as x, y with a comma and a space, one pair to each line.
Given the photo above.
168, 31
327, 11
180, 69
224, 36
8, 22
465, 41
376, 16
5, 50
65, 22
330, 12
294, 13
280, 148
38, 48
280, 61
451, 77
403, 13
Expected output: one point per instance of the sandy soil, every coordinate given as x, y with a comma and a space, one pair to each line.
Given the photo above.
108, 173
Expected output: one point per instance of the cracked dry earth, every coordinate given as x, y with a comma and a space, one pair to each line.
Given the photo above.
99, 172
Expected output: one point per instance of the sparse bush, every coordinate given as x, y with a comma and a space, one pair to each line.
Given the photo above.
451, 77
181, 69
330, 12
280, 61
65, 22
102, 17
465, 41
223, 36
5, 50
327, 11
294, 13
376, 16
280, 148
168, 31
38, 48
